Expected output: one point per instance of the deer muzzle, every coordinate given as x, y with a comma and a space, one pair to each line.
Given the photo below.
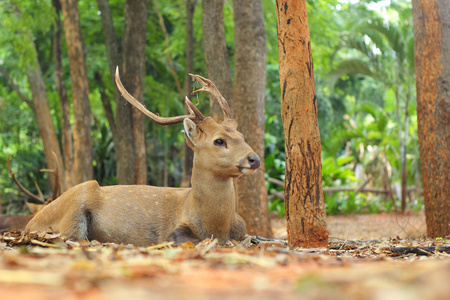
250, 164
254, 162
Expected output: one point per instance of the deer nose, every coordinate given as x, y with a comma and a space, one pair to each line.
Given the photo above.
254, 161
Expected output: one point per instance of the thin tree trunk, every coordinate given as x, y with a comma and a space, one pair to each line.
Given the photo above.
106, 103
404, 144
248, 103
67, 145
188, 154
216, 55
112, 49
41, 110
43, 117
304, 201
134, 76
123, 140
113, 62
82, 142
432, 60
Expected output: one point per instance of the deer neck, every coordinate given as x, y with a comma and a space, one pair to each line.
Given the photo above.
212, 198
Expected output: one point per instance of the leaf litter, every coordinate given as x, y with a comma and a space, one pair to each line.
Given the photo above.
45, 265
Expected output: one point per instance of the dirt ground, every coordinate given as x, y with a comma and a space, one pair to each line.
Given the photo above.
367, 227
360, 263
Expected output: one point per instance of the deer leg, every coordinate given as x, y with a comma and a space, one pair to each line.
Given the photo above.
183, 234
237, 232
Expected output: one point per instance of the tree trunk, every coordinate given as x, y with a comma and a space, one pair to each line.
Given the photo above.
188, 154
403, 145
113, 61
432, 60
304, 201
46, 128
248, 104
216, 55
134, 77
66, 142
112, 49
82, 142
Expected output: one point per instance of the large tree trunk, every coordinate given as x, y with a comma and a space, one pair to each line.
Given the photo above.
432, 58
134, 77
216, 55
82, 142
304, 201
188, 154
66, 142
248, 104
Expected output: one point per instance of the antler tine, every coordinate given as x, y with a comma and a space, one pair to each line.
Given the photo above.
21, 187
142, 109
209, 87
193, 110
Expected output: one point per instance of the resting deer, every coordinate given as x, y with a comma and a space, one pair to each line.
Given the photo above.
144, 215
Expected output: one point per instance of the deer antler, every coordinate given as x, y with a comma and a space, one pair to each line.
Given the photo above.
195, 115
39, 198
21, 187
209, 87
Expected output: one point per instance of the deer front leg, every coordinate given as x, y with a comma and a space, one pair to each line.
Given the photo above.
182, 234
238, 230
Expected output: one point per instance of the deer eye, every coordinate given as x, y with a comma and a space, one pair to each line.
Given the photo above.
219, 142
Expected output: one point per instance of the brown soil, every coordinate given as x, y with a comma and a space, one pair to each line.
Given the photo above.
366, 227
347, 270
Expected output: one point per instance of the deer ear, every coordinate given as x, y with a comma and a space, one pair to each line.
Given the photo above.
190, 131
230, 123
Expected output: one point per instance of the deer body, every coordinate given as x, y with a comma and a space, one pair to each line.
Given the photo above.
144, 215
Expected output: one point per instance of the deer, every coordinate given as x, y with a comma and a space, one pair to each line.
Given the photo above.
143, 215
9, 222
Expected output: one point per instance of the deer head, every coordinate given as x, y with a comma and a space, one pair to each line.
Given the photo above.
219, 148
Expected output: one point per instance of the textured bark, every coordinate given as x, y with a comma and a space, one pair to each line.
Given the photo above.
188, 154
133, 56
82, 142
67, 146
216, 55
432, 59
248, 104
304, 201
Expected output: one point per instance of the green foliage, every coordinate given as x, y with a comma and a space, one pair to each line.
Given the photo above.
19, 138
360, 55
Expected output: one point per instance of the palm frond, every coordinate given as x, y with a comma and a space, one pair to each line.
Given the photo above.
348, 66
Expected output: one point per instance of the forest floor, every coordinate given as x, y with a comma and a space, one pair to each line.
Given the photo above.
369, 257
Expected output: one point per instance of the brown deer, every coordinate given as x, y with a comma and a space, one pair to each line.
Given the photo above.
8, 222
144, 215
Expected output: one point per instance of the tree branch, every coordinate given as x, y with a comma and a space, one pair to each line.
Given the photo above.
16, 88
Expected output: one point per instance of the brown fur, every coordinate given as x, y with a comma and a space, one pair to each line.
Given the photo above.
144, 215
